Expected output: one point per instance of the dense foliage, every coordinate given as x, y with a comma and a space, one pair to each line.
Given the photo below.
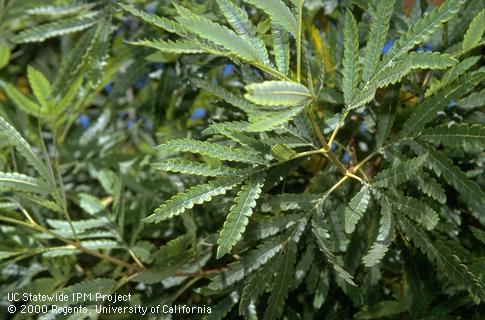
266, 158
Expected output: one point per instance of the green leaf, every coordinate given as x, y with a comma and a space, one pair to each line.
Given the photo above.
385, 121
7, 254
195, 168
289, 201
256, 285
396, 64
225, 95
104, 244
250, 262
321, 235
265, 228
74, 61
4, 54
277, 93
25, 150
351, 64
20, 182
399, 173
271, 120
58, 10
58, 28
356, 209
168, 259
479, 234
380, 12
282, 152
423, 28
213, 150
22, 102
160, 22
61, 106
288, 140
442, 165
304, 265
474, 100
380, 247
427, 110
427, 60
475, 31
239, 21
281, 49
239, 214
278, 12
91, 204
218, 34
195, 195
445, 261
416, 210
169, 253
394, 72
169, 46
79, 225
281, 283
383, 309
452, 74
243, 138
457, 135
430, 187
144, 250
221, 310
40, 86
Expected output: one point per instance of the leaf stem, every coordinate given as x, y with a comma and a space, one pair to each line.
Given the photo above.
184, 288
316, 129
271, 71
349, 175
76, 245
58, 184
135, 258
298, 40
337, 128
326, 148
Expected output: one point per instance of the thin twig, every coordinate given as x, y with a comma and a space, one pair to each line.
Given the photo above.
298, 41
72, 243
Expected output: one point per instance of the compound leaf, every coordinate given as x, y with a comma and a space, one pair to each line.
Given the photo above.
457, 135
380, 12
351, 64
423, 28
20, 182
195, 195
218, 34
239, 214
399, 173
240, 22
356, 208
25, 150
281, 283
58, 28
380, 247
169, 46
475, 31
213, 150
250, 262
278, 12
195, 168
